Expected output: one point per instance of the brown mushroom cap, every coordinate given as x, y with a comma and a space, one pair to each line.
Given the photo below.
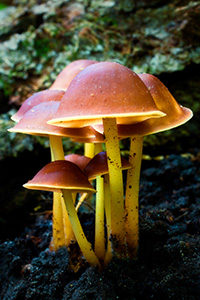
80, 160
98, 165
65, 77
105, 89
34, 122
35, 99
175, 114
58, 175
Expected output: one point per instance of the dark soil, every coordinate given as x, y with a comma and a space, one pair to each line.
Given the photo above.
168, 263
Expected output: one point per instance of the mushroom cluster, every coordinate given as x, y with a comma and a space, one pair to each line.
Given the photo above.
97, 104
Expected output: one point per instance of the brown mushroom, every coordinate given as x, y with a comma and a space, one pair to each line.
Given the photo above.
176, 115
65, 177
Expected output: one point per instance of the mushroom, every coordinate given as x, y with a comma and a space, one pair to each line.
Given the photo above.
37, 98
65, 177
108, 93
97, 169
176, 115
65, 77
34, 122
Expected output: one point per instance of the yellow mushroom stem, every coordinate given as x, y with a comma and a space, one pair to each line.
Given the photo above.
99, 220
132, 196
56, 147
58, 236
116, 185
89, 150
108, 255
62, 230
82, 241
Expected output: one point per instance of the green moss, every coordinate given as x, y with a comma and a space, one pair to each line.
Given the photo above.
11, 143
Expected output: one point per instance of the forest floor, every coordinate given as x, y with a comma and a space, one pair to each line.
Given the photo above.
168, 263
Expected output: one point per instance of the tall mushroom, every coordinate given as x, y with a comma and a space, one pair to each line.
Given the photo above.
65, 177
108, 93
176, 115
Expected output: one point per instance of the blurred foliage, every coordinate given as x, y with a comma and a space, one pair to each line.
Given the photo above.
12, 143
39, 38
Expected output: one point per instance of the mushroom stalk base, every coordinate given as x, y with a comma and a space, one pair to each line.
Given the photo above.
84, 245
116, 185
132, 196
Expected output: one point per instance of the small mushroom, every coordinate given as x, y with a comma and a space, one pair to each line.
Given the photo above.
65, 177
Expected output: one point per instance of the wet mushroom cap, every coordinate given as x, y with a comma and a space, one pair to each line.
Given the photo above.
58, 175
98, 165
80, 160
102, 90
65, 77
34, 122
175, 114
37, 98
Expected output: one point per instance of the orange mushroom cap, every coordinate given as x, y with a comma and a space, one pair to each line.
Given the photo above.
98, 165
34, 122
80, 160
58, 175
35, 99
65, 77
175, 114
105, 89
